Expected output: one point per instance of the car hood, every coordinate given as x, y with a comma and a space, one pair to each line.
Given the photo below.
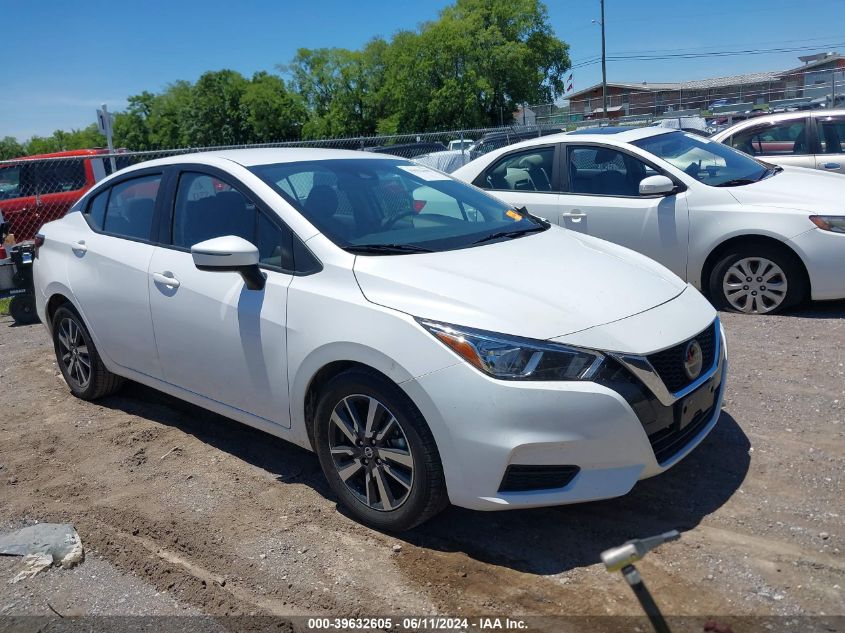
796, 188
538, 286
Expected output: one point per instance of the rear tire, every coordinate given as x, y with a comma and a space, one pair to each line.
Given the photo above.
78, 359
22, 309
388, 476
757, 278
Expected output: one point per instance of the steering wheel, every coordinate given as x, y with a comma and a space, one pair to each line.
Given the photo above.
391, 221
693, 169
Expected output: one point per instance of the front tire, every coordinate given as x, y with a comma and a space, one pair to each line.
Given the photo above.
377, 452
757, 279
78, 359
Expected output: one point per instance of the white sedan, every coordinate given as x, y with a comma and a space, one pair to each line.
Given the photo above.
416, 333
752, 236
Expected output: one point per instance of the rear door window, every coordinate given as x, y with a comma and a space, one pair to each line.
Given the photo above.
526, 170
778, 139
130, 208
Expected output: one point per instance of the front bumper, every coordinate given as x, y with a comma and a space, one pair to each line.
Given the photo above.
823, 254
484, 425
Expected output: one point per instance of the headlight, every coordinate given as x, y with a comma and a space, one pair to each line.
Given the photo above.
512, 358
833, 223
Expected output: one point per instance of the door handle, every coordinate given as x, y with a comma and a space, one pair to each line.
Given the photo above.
832, 166
575, 215
166, 279
79, 247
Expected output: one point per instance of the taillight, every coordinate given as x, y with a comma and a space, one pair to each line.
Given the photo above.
39, 242
418, 205
3, 254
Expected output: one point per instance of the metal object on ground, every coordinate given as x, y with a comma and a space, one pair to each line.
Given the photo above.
622, 559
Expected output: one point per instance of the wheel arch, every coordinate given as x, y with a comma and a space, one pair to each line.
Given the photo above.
59, 295
323, 364
747, 239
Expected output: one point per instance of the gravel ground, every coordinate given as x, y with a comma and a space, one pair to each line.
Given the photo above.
184, 512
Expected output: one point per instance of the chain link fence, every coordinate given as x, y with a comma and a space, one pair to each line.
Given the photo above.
38, 189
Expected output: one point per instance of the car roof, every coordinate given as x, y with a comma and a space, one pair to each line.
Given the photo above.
65, 154
610, 129
594, 135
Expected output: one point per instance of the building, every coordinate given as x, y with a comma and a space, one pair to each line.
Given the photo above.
817, 77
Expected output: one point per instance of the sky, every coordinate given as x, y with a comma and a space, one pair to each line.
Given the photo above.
64, 58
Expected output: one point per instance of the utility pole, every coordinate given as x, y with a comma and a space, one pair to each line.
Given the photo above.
603, 65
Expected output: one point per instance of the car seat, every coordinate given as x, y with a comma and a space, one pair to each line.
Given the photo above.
609, 182
534, 165
321, 205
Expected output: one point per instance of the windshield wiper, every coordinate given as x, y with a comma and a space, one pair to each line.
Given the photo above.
536, 218
737, 181
509, 234
386, 249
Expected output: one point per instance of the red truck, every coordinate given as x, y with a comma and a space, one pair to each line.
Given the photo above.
34, 191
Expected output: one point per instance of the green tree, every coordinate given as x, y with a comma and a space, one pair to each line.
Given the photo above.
474, 64
131, 127
216, 115
170, 116
10, 148
273, 113
340, 88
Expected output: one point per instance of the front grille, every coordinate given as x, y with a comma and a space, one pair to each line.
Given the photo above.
669, 364
521, 477
668, 442
661, 423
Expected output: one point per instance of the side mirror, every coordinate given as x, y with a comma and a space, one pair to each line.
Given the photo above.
656, 186
230, 254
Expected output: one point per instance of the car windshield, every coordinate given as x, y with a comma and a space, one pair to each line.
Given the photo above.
707, 161
384, 207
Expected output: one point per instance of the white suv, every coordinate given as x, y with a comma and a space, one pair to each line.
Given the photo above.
445, 348
754, 237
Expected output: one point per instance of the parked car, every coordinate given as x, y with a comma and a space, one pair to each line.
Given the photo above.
39, 188
459, 144
447, 161
427, 354
814, 139
754, 237
409, 150
507, 136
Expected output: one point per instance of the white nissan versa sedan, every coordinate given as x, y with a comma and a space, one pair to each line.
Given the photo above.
754, 237
428, 341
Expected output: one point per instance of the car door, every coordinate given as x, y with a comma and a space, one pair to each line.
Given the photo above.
525, 178
787, 142
831, 133
215, 337
109, 271
602, 199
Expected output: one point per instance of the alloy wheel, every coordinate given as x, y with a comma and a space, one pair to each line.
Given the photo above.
370, 452
755, 284
74, 353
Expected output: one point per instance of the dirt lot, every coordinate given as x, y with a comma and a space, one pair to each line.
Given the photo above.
182, 511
